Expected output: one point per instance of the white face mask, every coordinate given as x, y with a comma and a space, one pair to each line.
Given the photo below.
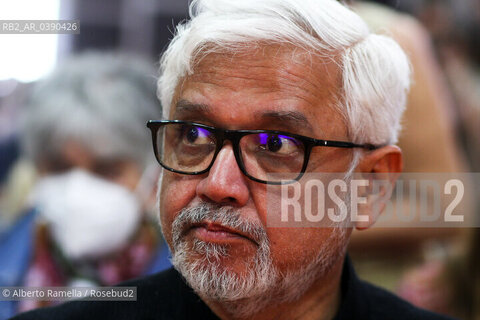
87, 216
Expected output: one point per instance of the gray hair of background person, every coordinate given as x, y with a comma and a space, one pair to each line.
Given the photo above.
101, 100
375, 71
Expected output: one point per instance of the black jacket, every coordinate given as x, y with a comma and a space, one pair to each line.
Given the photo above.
166, 296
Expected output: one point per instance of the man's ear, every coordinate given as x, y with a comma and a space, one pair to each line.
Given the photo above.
382, 166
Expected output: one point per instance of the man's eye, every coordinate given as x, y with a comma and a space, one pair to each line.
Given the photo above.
196, 135
279, 144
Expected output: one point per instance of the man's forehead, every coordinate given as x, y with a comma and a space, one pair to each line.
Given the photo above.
284, 83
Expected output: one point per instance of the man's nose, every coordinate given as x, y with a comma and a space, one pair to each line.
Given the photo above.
225, 182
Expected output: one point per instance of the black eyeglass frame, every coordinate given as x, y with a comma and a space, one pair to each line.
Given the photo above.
234, 136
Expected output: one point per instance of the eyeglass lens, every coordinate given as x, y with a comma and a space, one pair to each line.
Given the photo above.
189, 148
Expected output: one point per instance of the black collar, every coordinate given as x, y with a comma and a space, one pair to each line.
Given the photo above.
351, 306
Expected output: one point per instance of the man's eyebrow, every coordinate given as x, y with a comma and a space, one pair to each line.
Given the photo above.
185, 106
288, 118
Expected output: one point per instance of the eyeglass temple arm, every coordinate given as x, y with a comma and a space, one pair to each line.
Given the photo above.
344, 144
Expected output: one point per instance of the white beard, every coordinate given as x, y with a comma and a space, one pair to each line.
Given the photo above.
243, 295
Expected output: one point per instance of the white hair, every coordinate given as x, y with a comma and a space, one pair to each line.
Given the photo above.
101, 100
375, 70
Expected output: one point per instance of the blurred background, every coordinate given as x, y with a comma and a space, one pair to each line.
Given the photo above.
435, 269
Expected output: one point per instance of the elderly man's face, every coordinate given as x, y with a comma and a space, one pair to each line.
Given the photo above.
271, 88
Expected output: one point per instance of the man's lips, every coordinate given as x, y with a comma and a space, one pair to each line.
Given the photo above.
214, 232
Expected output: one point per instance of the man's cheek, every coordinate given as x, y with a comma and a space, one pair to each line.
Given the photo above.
296, 247
176, 193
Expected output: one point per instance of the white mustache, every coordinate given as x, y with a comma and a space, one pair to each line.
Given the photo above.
223, 215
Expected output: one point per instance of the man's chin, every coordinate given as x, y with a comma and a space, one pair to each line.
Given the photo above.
217, 273
234, 258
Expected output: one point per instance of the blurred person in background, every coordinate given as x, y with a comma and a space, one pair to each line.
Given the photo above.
84, 129
455, 29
